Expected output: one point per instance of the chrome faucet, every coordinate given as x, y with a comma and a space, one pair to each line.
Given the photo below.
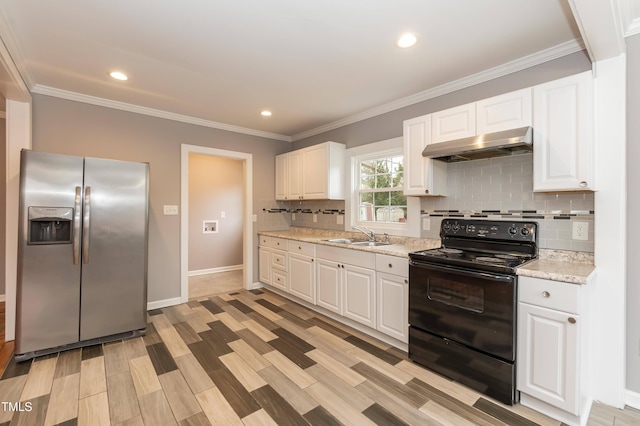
370, 233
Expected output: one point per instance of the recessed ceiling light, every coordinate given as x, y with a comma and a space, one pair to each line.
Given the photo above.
118, 75
266, 113
407, 40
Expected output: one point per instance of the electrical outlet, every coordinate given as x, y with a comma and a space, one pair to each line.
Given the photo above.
315, 218
170, 210
223, 215
426, 224
340, 219
580, 231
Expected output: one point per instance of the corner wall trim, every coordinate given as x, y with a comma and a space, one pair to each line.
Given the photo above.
164, 303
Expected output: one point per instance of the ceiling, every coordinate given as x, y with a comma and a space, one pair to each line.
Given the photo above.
312, 63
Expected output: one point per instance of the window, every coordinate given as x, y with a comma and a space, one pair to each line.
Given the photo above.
378, 192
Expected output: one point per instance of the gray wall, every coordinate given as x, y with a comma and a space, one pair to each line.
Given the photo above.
74, 128
633, 207
215, 186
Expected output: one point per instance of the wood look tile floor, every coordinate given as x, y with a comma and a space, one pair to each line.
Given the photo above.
249, 358
216, 283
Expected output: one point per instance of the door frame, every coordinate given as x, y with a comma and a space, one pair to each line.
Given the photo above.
247, 228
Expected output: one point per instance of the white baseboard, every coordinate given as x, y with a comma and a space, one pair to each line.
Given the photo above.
215, 270
632, 399
256, 285
164, 303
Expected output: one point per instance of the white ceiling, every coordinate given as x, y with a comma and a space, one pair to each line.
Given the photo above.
311, 62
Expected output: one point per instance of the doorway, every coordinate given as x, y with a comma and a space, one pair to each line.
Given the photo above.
209, 225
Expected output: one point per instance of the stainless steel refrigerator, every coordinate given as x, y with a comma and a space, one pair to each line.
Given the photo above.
82, 256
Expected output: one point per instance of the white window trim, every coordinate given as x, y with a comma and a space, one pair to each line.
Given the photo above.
389, 147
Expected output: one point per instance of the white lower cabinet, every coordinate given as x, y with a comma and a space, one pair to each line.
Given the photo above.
392, 275
329, 285
548, 367
553, 352
302, 277
360, 294
364, 287
264, 253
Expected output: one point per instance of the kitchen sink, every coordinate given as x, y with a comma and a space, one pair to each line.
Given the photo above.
357, 243
340, 240
369, 243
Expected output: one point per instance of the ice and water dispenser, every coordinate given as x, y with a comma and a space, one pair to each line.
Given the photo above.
50, 225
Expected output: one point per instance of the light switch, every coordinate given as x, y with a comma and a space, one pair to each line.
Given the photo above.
223, 215
170, 210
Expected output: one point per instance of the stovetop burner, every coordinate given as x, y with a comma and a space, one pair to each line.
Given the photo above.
496, 246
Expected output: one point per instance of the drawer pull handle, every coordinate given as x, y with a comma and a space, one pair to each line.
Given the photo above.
572, 320
546, 294
583, 184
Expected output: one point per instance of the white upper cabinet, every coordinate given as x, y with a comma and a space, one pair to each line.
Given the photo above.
453, 123
509, 111
422, 176
312, 173
563, 153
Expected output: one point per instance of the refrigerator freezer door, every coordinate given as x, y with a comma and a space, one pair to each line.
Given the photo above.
114, 250
48, 288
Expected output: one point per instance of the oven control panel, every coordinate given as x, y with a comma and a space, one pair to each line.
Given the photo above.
489, 229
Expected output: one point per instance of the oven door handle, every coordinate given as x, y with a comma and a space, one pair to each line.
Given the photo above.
465, 272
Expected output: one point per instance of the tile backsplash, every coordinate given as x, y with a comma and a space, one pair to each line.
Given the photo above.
502, 188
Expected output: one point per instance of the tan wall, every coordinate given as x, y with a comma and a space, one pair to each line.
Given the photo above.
3, 200
215, 186
74, 128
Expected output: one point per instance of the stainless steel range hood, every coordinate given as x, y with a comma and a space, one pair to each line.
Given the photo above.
508, 142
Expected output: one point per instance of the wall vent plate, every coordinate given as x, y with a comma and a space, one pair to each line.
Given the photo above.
210, 227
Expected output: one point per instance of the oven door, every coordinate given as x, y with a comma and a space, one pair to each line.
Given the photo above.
473, 308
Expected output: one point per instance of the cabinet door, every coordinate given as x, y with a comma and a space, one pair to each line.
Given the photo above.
563, 157
315, 170
504, 112
453, 123
548, 361
359, 294
282, 177
302, 277
264, 255
393, 314
294, 190
329, 285
422, 176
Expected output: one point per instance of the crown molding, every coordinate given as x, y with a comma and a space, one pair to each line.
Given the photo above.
629, 11
481, 77
123, 106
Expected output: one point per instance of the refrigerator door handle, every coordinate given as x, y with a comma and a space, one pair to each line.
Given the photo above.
76, 226
85, 224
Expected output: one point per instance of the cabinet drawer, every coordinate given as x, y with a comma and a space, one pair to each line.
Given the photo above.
305, 249
549, 294
279, 279
265, 241
279, 243
392, 265
279, 259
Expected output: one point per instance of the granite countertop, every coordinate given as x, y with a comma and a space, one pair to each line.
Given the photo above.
400, 246
558, 265
555, 265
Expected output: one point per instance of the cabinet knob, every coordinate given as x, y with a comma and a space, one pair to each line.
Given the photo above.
406, 281
583, 184
390, 265
313, 260
571, 320
299, 248
546, 294
426, 191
